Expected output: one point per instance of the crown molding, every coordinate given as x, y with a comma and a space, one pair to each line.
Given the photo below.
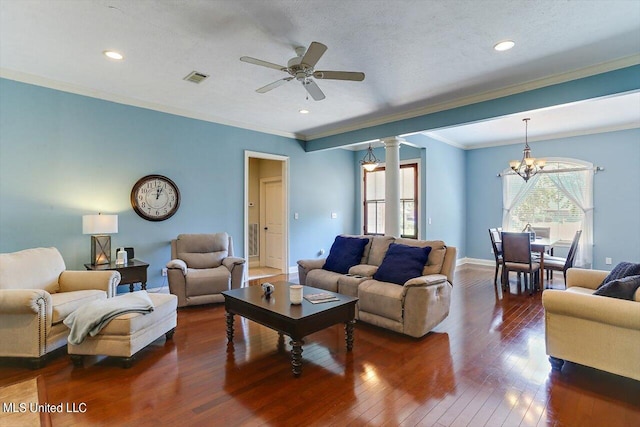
486, 96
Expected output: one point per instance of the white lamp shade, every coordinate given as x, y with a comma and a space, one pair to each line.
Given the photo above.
370, 167
99, 224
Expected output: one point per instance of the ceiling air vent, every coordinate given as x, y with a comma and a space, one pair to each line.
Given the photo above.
196, 77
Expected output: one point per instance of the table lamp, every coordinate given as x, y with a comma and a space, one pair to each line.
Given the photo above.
100, 226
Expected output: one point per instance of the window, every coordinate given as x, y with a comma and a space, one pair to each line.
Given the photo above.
559, 200
374, 206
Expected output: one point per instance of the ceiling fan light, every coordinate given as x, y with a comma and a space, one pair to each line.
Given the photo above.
504, 45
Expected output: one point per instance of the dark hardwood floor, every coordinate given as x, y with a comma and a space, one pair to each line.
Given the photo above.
485, 365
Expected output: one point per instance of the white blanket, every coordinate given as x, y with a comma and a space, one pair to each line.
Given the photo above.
92, 317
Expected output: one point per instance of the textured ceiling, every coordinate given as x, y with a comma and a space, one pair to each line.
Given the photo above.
417, 55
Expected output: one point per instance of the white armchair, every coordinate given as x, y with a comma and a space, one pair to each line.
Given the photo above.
36, 294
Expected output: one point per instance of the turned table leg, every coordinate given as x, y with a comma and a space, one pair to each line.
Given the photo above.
229, 327
296, 357
348, 328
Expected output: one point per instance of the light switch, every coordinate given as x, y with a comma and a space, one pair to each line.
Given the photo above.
334, 215
296, 216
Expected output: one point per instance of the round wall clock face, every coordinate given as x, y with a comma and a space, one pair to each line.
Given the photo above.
155, 197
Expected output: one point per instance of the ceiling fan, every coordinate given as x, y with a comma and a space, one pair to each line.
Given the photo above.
302, 69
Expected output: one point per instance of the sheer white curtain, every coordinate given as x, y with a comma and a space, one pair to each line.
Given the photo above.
514, 190
578, 187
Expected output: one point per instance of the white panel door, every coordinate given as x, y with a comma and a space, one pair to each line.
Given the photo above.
273, 224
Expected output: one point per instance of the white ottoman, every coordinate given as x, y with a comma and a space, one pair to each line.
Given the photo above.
129, 333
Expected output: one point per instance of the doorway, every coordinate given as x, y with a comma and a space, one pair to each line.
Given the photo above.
266, 214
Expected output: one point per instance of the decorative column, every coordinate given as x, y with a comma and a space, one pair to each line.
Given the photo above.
392, 186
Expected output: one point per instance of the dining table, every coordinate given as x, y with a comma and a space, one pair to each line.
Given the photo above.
542, 245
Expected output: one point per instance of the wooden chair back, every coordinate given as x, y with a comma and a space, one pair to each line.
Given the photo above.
571, 256
496, 242
516, 247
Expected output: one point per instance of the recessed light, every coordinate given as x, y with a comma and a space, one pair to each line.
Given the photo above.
504, 45
113, 55
303, 111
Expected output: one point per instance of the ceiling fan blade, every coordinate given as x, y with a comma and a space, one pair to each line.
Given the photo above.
313, 90
274, 85
255, 61
315, 51
339, 75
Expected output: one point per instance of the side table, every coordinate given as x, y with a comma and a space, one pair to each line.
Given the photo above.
135, 271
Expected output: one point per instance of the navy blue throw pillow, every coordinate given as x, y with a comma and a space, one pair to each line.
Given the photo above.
623, 269
623, 288
344, 254
402, 263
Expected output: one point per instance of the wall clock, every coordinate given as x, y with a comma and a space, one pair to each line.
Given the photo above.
155, 197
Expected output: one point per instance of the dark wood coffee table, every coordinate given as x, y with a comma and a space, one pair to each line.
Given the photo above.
293, 320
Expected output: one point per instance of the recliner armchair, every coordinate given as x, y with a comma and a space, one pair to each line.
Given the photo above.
202, 266
37, 293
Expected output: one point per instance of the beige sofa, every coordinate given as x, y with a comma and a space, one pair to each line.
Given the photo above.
202, 266
592, 330
37, 294
412, 309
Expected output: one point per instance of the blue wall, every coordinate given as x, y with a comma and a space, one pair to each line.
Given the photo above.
63, 156
616, 194
444, 192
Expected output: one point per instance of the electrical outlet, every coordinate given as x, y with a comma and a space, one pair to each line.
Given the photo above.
607, 261
164, 272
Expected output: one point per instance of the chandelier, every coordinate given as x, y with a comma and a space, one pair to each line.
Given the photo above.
528, 166
369, 162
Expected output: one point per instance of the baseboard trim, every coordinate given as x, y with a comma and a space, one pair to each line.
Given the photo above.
475, 261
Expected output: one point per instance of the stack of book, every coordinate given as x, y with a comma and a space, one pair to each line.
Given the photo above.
322, 297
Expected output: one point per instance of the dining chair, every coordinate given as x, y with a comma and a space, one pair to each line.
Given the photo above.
555, 263
496, 244
516, 256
